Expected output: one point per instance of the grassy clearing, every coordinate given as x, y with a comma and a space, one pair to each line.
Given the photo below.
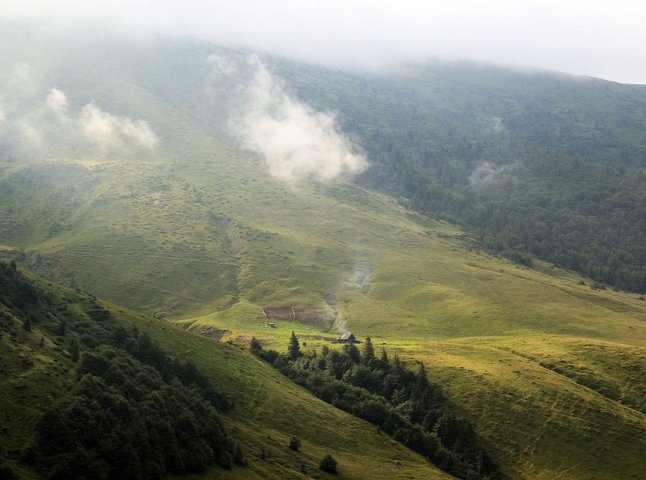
523, 409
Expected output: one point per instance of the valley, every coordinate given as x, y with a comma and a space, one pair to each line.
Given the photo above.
197, 236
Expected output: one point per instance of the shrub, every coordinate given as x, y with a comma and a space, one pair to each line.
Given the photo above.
597, 286
294, 443
255, 346
328, 464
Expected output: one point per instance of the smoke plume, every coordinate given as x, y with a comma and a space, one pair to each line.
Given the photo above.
57, 103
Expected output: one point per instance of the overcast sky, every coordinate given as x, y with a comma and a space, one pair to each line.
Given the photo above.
604, 38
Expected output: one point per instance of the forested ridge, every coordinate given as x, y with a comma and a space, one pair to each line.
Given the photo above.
530, 163
129, 408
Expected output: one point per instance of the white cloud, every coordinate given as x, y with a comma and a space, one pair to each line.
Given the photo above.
599, 38
496, 125
108, 131
221, 65
295, 140
486, 172
57, 102
31, 123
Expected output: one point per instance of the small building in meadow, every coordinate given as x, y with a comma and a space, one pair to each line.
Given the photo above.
347, 337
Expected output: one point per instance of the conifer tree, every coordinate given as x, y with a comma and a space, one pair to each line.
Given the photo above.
74, 350
294, 443
352, 350
62, 328
238, 456
384, 355
368, 351
422, 378
294, 348
397, 364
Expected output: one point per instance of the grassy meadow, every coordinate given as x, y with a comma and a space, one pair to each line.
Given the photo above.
534, 357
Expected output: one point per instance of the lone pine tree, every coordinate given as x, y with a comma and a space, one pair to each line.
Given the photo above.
294, 348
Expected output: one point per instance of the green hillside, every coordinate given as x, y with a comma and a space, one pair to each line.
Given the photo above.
198, 233
482, 325
38, 373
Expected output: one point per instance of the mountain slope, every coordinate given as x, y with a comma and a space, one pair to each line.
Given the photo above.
481, 325
532, 162
38, 371
200, 233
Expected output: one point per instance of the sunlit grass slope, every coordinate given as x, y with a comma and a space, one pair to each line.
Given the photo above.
550, 371
36, 371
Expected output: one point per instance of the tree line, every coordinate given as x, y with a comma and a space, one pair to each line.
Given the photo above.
400, 402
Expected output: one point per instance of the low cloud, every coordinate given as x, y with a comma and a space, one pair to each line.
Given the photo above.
29, 123
110, 131
295, 140
486, 172
598, 38
221, 65
496, 125
57, 102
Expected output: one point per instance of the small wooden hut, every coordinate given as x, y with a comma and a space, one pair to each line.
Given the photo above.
347, 337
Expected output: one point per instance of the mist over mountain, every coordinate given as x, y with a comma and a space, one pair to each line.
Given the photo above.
532, 163
594, 39
192, 234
